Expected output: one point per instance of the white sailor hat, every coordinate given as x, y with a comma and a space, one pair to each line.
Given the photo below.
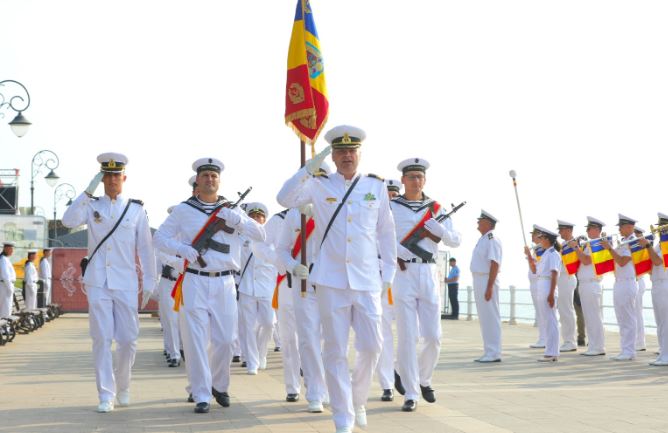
543, 231
393, 185
663, 218
561, 224
256, 207
112, 162
32, 251
488, 216
638, 229
192, 180
324, 167
595, 222
623, 219
345, 137
8, 244
208, 164
171, 208
413, 164
534, 229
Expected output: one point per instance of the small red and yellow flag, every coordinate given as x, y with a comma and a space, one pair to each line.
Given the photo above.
306, 104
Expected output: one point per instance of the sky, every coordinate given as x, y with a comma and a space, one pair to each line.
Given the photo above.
570, 94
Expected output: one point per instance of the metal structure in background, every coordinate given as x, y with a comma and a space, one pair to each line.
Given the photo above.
17, 102
62, 191
43, 158
9, 191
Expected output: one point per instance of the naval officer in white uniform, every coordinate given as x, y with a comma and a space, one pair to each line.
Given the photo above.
111, 277
566, 285
353, 222
659, 279
7, 279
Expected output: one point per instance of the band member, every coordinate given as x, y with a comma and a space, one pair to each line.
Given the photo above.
566, 287
591, 291
625, 290
353, 222
547, 273
533, 256
7, 279
111, 277
485, 266
30, 281
660, 291
416, 288
45, 275
208, 307
640, 321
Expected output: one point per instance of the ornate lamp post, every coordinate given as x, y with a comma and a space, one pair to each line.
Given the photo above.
43, 158
19, 124
64, 190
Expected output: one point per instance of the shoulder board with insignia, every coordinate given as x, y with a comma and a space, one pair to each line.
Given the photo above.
490, 235
375, 176
320, 175
137, 201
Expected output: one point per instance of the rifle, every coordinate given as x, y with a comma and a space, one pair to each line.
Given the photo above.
206, 241
411, 244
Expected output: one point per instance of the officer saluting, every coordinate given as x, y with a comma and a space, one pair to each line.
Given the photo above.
353, 222
111, 276
209, 310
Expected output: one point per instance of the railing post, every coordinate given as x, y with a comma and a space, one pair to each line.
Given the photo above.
469, 296
512, 319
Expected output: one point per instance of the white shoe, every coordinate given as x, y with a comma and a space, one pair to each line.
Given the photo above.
252, 372
568, 347
485, 359
263, 364
659, 363
548, 359
360, 416
537, 345
592, 353
622, 357
315, 406
343, 430
123, 398
105, 406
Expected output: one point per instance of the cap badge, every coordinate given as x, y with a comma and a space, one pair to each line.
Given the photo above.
346, 139
111, 163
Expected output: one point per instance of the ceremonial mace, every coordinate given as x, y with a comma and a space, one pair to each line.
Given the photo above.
513, 174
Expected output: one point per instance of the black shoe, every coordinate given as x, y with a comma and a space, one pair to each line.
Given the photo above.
292, 398
450, 317
174, 362
397, 383
581, 343
409, 406
222, 398
202, 407
183, 355
243, 364
164, 352
388, 395
236, 358
190, 398
277, 349
428, 393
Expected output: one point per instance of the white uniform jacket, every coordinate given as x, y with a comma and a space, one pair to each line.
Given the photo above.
45, 272
487, 249
258, 274
114, 263
30, 277
348, 256
7, 275
406, 217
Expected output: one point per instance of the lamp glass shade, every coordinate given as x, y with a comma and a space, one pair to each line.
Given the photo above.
20, 125
52, 178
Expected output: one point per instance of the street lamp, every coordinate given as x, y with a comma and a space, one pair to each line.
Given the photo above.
64, 190
43, 158
20, 124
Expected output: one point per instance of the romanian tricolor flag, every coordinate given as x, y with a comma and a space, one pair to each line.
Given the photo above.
601, 258
570, 259
664, 248
640, 256
306, 104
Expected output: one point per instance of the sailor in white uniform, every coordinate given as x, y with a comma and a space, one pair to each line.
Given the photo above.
7, 279
485, 266
416, 288
566, 288
208, 312
533, 256
45, 275
547, 273
111, 278
640, 321
659, 279
30, 278
353, 222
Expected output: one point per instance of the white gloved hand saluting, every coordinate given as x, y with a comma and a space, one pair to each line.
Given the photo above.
306, 210
187, 252
434, 227
92, 186
300, 271
313, 166
232, 219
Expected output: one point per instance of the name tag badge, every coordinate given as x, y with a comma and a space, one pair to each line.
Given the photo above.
331, 199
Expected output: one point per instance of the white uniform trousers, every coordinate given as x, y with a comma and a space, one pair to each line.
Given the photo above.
489, 315
31, 296
169, 319
385, 367
417, 303
6, 301
287, 327
339, 310
640, 320
276, 333
208, 316
590, 299
533, 288
549, 315
566, 288
624, 299
660, 305
112, 315
309, 332
47, 291
257, 321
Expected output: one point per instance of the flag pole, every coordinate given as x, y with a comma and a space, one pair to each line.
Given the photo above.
303, 219
513, 174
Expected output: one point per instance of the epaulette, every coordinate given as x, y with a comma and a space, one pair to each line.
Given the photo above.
375, 176
320, 175
490, 235
136, 201
282, 213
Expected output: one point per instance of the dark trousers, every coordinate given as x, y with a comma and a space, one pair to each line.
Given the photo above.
453, 290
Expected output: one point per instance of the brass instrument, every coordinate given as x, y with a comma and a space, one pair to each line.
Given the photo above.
658, 229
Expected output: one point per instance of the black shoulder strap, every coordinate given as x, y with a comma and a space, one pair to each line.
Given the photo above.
336, 212
127, 206
245, 266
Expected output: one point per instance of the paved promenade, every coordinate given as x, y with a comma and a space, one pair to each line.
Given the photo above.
47, 384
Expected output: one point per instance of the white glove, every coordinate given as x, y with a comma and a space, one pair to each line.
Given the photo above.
386, 287
232, 219
306, 210
313, 166
300, 271
187, 252
145, 297
434, 227
92, 186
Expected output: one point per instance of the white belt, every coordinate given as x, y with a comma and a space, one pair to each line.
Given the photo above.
480, 273
545, 278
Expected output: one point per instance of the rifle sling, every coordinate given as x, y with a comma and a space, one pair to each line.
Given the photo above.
127, 206
338, 209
